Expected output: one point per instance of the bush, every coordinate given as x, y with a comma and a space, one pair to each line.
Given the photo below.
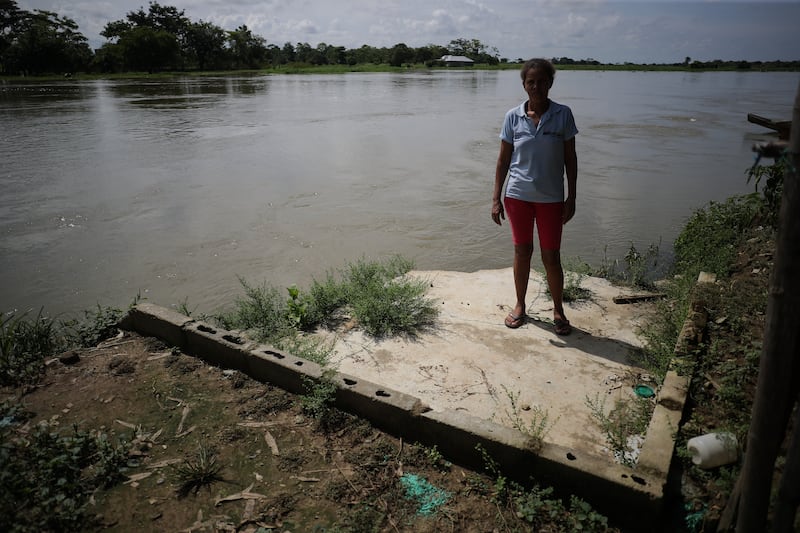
24, 344
710, 238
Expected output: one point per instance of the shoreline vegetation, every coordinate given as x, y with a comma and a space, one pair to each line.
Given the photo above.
163, 39
303, 68
733, 240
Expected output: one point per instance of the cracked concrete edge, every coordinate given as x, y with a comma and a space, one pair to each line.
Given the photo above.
463, 438
659, 444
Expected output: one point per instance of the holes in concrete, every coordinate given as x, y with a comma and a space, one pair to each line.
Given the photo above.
206, 329
571, 456
637, 479
298, 363
350, 382
382, 394
276, 355
233, 338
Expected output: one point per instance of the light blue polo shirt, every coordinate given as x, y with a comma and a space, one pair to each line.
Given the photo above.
536, 173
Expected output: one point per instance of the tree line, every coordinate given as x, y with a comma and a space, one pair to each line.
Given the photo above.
163, 38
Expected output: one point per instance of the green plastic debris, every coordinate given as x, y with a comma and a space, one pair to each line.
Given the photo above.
426, 495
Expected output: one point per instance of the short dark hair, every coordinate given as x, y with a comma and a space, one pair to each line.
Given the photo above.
538, 63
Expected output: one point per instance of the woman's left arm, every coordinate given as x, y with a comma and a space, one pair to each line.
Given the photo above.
571, 165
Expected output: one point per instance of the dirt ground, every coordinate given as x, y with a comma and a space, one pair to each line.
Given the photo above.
282, 470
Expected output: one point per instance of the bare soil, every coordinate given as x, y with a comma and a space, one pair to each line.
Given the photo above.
282, 470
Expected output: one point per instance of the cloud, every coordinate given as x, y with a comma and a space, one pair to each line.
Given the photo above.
638, 31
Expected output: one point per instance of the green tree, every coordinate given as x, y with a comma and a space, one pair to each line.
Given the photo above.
42, 42
366, 54
247, 50
205, 45
150, 50
287, 52
10, 16
108, 58
162, 27
429, 53
399, 54
304, 53
475, 50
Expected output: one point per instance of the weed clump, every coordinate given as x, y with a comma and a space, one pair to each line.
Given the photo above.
377, 296
48, 478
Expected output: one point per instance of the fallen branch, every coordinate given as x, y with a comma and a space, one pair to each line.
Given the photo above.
635, 298
244, 495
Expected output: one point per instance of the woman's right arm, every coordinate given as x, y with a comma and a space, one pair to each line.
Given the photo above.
500, 173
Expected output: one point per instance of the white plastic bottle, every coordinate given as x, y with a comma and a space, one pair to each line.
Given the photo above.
713, 449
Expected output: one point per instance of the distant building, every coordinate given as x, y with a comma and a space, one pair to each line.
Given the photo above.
457, 61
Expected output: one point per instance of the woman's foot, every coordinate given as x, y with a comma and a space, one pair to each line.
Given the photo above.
562, 327
514, 321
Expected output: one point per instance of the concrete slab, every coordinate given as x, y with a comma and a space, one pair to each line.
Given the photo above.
472, 363
468, 382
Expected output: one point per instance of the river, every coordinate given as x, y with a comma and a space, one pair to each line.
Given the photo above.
173, 189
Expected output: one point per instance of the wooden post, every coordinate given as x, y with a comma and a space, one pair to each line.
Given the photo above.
779, 370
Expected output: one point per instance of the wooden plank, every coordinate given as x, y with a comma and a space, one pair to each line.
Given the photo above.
634, 298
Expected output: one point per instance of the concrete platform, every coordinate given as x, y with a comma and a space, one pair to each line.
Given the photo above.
462, 385
472, 363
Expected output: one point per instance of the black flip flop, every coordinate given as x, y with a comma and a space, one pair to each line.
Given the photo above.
515, 321
562, 327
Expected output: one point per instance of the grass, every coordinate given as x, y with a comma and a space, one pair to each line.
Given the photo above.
201, 471
378, 296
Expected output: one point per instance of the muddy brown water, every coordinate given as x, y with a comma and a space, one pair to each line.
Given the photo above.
170, 189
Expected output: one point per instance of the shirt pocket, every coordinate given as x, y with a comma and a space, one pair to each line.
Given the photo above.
553, 136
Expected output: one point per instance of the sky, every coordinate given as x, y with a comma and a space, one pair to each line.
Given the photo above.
640, 31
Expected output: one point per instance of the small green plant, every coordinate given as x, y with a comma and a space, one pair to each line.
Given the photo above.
296, 308
575, 271
501, 483
327, 301
537, 507
437, 460
202, 471
97, 325
184, 309
639, 265
384, 302
262, 311
320, 395
308, 348
539, 425
772, 178
627, 419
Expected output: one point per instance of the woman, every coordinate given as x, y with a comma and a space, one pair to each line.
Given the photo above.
537, 145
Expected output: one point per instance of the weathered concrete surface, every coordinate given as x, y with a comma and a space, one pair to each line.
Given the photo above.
472, 363
470, 381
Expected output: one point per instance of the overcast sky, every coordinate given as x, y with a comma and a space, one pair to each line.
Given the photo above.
641, 31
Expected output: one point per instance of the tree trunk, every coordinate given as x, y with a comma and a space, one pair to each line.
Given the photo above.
789, 491
778, 376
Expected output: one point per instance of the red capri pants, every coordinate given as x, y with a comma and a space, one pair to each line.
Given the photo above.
548, 217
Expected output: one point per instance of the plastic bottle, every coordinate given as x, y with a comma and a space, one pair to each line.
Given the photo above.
713, 449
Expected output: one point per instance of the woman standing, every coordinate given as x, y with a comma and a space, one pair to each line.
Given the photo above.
537, 146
